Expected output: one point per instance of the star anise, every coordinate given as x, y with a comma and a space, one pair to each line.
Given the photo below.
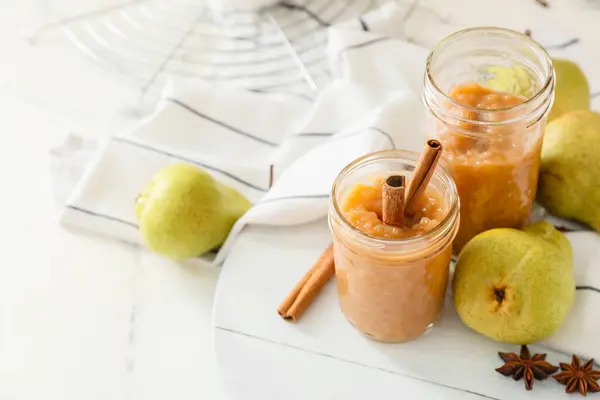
525, 366
577, 377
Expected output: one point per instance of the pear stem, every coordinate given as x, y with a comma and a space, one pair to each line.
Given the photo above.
271, 175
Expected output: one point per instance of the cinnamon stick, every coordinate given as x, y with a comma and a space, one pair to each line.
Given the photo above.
392, 200
423, 172
298, 300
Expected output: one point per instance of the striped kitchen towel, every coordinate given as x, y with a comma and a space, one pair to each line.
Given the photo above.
249, 140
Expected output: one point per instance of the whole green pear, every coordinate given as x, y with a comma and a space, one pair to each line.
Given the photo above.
183, 212
515, 286
572, 91
569, 181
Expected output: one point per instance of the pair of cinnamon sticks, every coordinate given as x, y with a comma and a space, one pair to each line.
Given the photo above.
298, 300
396, 204
397, 200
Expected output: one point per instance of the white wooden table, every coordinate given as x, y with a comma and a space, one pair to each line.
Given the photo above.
89, 318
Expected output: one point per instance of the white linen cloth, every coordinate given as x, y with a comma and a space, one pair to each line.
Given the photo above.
372, 104
239, 5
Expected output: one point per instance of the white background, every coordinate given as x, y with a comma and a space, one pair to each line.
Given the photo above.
90, 318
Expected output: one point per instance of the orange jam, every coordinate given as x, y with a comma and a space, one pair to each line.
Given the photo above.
391, 296
495, 167
477, 96
362, 209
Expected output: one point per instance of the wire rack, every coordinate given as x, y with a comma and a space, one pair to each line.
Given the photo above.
278, 48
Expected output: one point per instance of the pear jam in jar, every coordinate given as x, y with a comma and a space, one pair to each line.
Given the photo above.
488, 92
391, 281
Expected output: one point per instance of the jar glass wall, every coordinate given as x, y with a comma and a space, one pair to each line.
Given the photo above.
488, 92
391, 289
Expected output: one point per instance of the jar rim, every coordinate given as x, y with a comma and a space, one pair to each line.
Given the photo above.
493, 31
440, 172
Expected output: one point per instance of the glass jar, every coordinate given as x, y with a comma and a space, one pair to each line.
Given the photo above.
488, 92
392, 290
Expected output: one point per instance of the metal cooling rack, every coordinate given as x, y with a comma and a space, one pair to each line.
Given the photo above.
279, 48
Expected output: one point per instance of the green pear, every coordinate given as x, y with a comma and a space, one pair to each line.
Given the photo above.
183, 212
515, 80
569, 182
572, 91
515, 286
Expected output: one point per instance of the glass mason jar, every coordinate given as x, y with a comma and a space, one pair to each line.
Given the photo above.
488, 92
392, 290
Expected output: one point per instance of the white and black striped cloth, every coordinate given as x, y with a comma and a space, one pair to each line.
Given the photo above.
241, 137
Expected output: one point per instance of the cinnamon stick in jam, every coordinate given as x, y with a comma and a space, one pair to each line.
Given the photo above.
298, 300
423, 172
392, 200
